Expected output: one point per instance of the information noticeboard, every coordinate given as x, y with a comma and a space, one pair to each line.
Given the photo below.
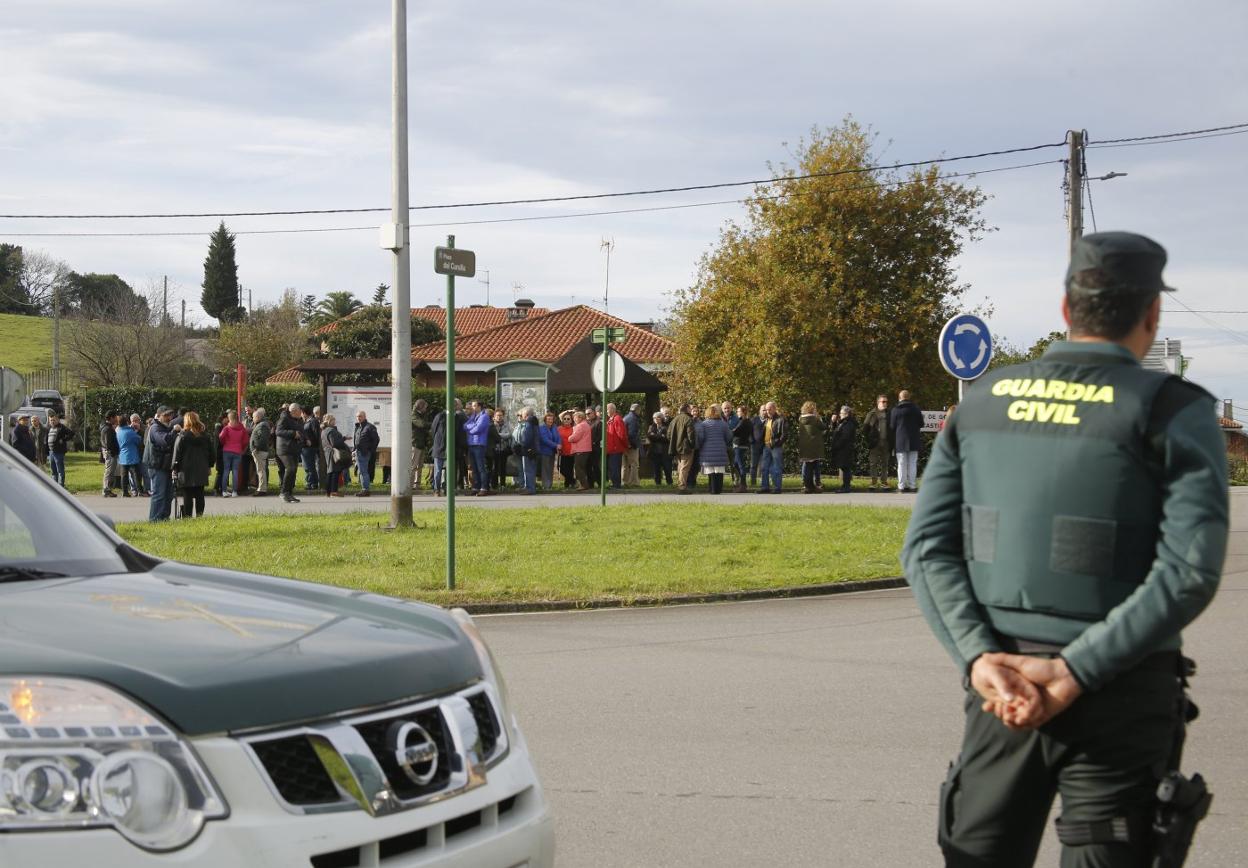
515, 395
932, 420
344, 402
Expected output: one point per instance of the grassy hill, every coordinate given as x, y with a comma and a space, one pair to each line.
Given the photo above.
25, 342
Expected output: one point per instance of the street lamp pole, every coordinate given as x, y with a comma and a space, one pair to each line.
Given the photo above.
401, 308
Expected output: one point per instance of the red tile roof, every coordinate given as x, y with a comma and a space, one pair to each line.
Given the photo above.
290, 375
1229, 424
468, 320
548, 338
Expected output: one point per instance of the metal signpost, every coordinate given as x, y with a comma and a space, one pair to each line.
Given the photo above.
451, 262
965, 348
607, 371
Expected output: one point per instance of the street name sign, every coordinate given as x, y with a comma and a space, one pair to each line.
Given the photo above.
613, 335
454, 262
965, 346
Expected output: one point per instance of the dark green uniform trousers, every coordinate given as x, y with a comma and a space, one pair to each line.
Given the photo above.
1105, 755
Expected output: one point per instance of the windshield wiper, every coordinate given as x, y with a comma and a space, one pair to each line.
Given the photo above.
12, 573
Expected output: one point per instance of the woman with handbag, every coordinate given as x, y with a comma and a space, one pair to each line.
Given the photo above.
337, 454
193, 459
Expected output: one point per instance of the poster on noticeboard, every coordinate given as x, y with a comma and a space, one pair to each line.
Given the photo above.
344, 402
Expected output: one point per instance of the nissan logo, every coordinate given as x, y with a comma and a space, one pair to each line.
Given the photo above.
415, 752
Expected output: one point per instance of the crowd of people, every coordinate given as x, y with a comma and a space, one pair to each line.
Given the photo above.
719, 441
172, 456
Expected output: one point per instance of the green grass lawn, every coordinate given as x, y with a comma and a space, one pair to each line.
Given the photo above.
25, 342
621, 553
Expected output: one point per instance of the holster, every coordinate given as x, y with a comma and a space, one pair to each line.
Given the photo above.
1181, 802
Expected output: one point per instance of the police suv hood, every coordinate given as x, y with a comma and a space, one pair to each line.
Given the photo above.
214, 650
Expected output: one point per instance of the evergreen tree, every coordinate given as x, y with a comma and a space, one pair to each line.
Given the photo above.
379, 295
220, 296
307, 309
13, 296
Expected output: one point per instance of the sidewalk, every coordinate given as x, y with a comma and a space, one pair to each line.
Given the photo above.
121, 509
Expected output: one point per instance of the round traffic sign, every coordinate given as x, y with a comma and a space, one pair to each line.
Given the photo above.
965, 346
599, 369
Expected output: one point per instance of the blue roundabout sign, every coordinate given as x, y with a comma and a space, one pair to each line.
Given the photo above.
965, 346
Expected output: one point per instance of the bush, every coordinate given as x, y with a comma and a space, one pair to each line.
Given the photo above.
269, 397
436, 398
88, 410
1238, 470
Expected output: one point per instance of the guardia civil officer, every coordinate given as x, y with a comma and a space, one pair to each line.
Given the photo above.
1072, 521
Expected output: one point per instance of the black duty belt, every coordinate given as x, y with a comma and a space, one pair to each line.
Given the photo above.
1165, 661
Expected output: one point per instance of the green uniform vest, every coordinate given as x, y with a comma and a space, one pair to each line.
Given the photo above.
1061, 488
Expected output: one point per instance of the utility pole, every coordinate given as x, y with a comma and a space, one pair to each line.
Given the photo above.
400, 307
606, 286
164, 303
183, 314
1074, 184
249, 301
56, 330
486, 281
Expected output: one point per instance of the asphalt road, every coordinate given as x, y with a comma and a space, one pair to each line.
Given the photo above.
807, 732
121, 509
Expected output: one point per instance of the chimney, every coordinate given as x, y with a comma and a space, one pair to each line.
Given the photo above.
1228, 409
520, 310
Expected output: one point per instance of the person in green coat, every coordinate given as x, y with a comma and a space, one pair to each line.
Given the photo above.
1073, 520
684, 440
420, 440
811, 450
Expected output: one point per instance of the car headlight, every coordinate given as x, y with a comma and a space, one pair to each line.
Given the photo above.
77, 755
493, 675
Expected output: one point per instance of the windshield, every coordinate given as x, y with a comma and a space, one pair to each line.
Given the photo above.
38, 530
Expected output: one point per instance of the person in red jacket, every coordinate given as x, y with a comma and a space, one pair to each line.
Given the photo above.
233, 439
617, 444
567, 464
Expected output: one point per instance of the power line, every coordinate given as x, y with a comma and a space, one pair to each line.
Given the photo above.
1179, 136
527, 219
1170, 135
1240, 337
1191, 310
547, 199
1171, 141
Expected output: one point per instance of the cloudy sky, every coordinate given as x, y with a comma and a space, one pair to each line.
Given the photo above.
140, 106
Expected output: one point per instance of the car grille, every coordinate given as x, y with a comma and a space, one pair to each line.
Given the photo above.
487, 721
296, 771
375, 736
303, 765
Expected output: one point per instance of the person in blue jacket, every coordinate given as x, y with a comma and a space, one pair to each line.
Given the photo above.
131, 452
477, 427
548, 445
